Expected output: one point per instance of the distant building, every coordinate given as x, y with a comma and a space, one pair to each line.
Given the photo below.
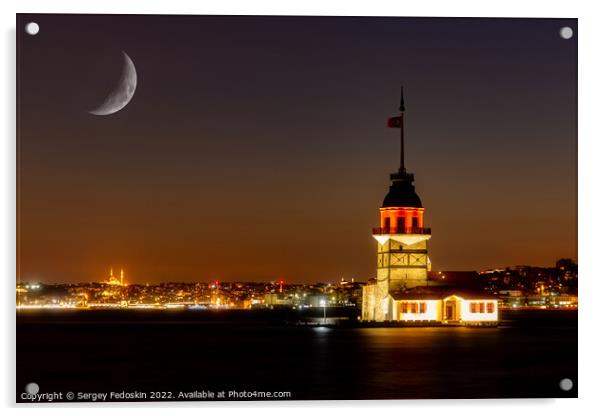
113, 280
277, 299
511, 293
316, 301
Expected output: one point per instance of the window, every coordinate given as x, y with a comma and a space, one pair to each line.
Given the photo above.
401, 223
414, 222
479, 307
413, 307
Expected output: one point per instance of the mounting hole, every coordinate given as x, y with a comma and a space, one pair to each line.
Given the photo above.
566, 384
566, 32
32, 388
32, 28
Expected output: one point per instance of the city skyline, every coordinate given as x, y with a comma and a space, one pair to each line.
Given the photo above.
257, 148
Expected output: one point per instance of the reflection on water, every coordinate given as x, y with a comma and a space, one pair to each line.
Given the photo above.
527, 358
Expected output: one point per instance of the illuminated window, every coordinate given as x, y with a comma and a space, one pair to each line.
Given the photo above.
479, 307
404, 307
422, 307
414, 307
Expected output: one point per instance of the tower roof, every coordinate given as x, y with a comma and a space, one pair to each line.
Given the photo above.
402, 192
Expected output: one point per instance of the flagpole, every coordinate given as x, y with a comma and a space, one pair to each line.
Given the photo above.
402, 167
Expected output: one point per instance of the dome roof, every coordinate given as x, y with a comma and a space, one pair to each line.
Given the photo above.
402, 192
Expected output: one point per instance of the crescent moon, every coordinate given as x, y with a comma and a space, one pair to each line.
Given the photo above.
123, 93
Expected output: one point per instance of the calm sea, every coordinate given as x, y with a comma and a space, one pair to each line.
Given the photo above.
197, 352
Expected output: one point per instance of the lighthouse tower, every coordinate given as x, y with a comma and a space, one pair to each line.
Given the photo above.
402, 257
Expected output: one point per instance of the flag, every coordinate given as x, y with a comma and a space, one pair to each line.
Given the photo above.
394, 122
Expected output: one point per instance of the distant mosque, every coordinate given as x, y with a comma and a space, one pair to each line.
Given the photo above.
402, 291
113, 280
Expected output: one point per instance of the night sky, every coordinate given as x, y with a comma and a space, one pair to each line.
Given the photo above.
256, 148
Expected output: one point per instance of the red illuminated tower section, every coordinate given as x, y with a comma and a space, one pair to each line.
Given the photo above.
402, 257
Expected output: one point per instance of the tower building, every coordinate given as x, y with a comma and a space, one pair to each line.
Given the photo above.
402, 257
400, 292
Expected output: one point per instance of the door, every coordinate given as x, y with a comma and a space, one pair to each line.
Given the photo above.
450, 310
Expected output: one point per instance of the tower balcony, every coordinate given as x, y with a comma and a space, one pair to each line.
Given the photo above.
401, 230
403, 235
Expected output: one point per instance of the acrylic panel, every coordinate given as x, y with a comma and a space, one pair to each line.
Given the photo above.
295, 208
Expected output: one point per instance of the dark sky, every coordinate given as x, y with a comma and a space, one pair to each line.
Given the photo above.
256, 147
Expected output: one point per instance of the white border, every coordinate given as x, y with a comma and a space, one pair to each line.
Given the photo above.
590, 138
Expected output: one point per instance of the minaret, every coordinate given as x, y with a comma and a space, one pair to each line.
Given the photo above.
121, 277
402, 260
